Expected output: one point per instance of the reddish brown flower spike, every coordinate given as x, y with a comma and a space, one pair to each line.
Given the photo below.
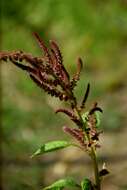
42, 46
59, 60
76, 77
72, 116
76, 133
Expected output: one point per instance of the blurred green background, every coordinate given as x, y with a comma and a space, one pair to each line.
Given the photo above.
94, 30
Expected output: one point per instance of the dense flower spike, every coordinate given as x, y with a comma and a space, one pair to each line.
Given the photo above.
55, 49
72, 116
43, 47
47, 71
77, 134
76, 77
21, 56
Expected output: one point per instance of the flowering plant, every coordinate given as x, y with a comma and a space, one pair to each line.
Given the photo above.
49, 73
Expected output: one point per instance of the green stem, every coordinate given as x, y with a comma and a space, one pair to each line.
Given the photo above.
96, 170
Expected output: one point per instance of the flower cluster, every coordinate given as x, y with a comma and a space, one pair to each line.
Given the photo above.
91, 128
72, 116
89, 137
78, 134
49, 73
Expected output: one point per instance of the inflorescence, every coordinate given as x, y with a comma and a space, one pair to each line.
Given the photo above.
49, 73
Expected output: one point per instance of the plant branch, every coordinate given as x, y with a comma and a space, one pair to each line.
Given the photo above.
92, 154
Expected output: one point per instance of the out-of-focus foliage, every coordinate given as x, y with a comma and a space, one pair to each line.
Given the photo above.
93, 29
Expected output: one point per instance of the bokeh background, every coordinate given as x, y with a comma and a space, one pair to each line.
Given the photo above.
93, 29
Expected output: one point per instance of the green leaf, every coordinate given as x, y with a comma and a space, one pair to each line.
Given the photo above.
52, 146
86, 184
98, 121
62, 183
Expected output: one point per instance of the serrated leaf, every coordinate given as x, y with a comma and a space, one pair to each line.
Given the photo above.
61, 184
86, 184
51, 146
